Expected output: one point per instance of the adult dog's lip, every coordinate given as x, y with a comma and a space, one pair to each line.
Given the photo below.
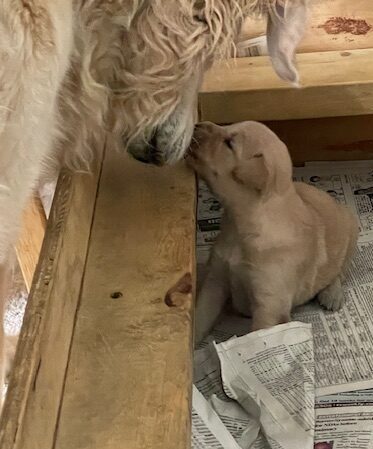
155, 156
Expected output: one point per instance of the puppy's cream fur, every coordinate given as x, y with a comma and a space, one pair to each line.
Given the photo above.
281, 243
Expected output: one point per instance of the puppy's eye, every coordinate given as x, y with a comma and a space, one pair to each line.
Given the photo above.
229, 143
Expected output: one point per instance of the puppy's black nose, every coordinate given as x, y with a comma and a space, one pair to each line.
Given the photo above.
205, 126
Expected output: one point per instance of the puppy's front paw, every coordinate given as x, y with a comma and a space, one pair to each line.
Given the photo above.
332, 297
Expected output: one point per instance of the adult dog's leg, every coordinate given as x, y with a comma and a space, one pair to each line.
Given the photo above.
35, 46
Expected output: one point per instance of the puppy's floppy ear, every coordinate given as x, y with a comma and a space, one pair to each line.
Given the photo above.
285, 29
252, 173
266, 173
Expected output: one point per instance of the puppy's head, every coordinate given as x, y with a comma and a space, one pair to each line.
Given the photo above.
244, 157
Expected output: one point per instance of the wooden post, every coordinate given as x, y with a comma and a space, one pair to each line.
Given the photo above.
33, 401
31, 239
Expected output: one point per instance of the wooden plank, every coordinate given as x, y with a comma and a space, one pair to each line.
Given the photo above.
129, 378
329, 139
32, 404
320, 36
31, 239
334, 84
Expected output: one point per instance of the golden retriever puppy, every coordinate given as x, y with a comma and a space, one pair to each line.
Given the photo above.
281, 242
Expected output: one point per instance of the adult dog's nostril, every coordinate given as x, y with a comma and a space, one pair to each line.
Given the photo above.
142, 159
153, 142
147, 152
139, 153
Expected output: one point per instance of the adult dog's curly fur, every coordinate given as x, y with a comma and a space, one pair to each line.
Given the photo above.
73, 70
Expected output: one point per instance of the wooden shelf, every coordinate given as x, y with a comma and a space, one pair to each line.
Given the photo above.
334, 84
105, 353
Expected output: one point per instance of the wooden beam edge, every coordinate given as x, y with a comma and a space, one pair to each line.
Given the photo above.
22, 385
248, 88
31, 239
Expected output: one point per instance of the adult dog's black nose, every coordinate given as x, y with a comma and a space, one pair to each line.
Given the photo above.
148, 156
147, 152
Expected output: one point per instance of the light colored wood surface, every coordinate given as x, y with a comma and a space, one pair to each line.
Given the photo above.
31, 239
333, 84
129, 378
96, 368
33, 401
317, 38
329, 139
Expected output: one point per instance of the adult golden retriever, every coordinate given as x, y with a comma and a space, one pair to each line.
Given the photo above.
73, 70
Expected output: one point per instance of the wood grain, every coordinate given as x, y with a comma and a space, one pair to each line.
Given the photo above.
33, 401
129, 378
31, 239
334, 84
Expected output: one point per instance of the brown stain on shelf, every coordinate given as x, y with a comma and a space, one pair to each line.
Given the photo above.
339, 25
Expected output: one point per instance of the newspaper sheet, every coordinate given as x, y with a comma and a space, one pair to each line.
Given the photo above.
344, 421
261, 386
343, 341
356, 398
208, 431
339, 425
349, 427
256, 46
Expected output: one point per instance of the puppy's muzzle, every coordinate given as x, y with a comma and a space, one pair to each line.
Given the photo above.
202, 131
